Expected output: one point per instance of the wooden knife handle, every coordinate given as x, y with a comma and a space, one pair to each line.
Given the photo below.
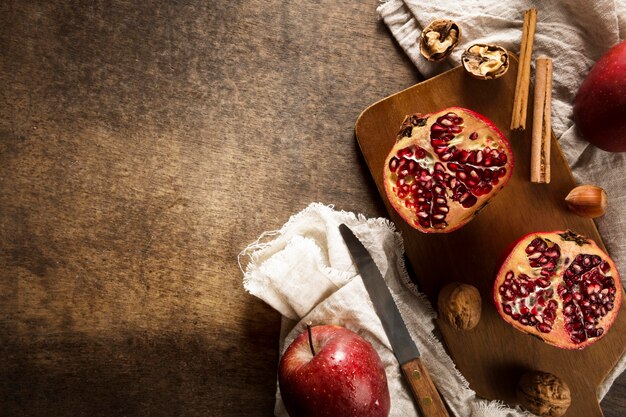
424, 391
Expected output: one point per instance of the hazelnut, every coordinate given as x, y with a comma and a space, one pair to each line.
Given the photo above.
543, 394
460, 305
485, 62
587, 201
438, 39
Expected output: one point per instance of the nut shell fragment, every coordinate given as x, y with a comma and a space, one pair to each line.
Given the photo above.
587, 201
438, 39
485, 62
460, 305
543, 394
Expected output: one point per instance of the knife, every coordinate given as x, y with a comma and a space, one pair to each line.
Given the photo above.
424, 391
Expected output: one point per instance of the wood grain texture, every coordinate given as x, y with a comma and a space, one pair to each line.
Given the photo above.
142, 146
493, 355
424, 391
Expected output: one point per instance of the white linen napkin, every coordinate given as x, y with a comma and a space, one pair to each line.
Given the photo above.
305, 272
575, 33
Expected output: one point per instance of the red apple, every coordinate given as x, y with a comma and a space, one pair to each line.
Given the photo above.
600, 107
335, 373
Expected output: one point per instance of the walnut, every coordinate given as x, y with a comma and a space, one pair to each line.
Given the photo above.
485, 62
460, 305
543, 394
438, 39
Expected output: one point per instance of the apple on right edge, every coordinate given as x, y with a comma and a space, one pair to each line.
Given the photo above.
330, 371
600, 107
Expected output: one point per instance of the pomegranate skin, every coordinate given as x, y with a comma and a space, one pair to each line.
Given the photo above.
600, 106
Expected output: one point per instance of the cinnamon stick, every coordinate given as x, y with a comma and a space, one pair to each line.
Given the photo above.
542, 124
520, 105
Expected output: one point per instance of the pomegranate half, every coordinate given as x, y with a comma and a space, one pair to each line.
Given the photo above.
560, 287
444, 168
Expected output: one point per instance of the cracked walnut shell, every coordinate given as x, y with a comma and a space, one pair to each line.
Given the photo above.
438, 39
543, 394
460, 305
485, 62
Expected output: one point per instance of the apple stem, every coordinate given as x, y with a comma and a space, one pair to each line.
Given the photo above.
308, 328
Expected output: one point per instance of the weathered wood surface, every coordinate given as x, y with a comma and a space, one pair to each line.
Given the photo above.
142, 146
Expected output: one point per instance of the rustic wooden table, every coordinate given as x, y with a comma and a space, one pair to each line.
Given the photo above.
142, 146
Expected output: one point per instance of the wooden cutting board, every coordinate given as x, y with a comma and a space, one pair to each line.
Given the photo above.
493, 355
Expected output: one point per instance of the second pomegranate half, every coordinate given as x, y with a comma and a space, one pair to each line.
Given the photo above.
444, 167
560, 287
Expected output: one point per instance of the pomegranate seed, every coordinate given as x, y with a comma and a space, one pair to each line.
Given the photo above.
473, 136
393, 164
453, 166
543, 283
544, 328
404, 152
605, 267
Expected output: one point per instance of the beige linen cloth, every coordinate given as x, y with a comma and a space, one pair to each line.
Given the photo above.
304, 270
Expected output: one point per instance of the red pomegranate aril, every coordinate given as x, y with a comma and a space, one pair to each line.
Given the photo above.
568, 304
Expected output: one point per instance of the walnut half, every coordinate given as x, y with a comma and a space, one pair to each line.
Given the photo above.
439, 38
485, 62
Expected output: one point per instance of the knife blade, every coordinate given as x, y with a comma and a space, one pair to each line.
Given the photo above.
423, 389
